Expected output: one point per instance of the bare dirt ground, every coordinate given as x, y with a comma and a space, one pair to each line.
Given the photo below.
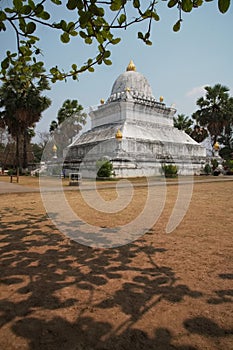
161, 292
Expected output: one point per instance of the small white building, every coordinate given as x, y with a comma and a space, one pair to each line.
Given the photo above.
136, 133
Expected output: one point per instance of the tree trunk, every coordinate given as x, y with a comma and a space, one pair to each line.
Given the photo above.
17, 154
25, 155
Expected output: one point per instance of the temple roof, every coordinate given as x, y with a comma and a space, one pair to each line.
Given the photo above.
146, 133
133, 81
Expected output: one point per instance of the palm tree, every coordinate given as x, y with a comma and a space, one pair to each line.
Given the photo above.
70, 120
183, 122
28, 134
53, 126
21, 105
199, 134
215, 111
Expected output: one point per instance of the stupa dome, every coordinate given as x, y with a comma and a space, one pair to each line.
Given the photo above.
132, 81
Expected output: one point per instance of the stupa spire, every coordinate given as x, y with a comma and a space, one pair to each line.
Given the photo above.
131, 66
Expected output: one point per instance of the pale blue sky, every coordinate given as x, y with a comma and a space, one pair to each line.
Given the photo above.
177, 65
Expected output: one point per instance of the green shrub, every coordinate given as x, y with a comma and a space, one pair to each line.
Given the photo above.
214, 163
11, 172
207, 169
104, 168
170, 170
226, 152
228, 166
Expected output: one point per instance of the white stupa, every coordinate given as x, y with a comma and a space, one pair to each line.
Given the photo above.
136, 133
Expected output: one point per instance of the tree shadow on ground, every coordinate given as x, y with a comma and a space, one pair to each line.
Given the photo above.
48, 277
207, 327
86, 334
222, 295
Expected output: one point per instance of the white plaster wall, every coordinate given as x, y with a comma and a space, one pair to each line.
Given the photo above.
119, 111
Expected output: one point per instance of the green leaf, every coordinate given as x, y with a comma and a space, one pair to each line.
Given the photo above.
187, 5
107, 62
99, 59
107, 54
18, 4
155, 16
88, 41
8, 10
63, 25
197, 3
99, 11
45, 15
57, 2
73, 33
80, 4
71, 4
31, 27
148, 42
116, 5
31, 4
70, 26
39, 9
122, 19
22, 25
2, 26
100, 48
91, 69
100, 38
140, 35
74, 66
176, 26
172, 3
136, 4
2, 16
84, 18
53, 70
5, 63
115, 41
82, 34
26, 10
33, 39
223, 5
65, 38
107, 35
147, 14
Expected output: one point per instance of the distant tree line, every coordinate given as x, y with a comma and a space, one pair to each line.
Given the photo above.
213, 119
21, 106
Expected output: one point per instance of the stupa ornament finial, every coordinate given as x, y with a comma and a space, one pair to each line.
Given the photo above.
118, 135
131, 67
